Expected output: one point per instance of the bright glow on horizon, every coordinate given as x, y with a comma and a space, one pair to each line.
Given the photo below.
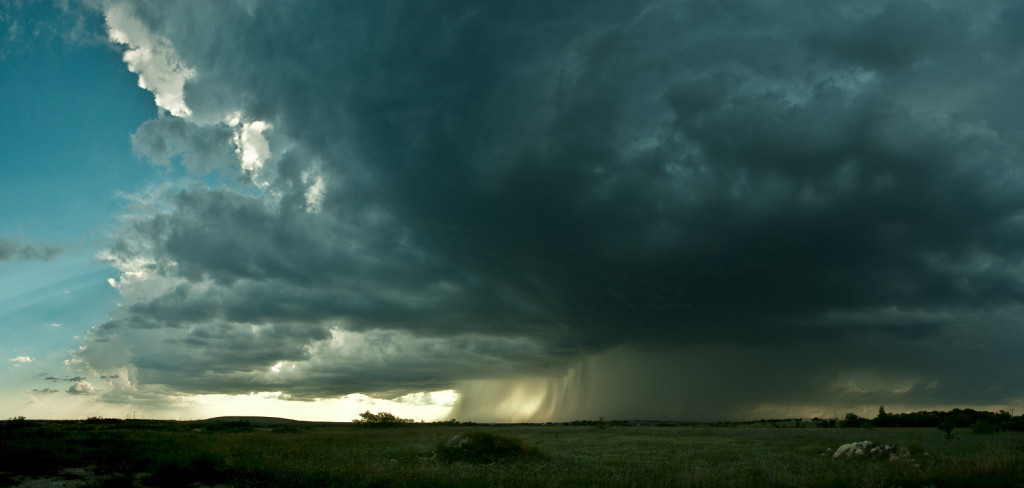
421, 406
276, 404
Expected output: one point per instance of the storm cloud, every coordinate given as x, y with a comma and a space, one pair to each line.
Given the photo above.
678, 209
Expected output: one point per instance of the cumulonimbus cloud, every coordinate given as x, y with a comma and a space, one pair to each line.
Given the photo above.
475, 191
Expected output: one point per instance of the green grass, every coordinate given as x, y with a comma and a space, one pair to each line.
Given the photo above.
180, 454
484, 448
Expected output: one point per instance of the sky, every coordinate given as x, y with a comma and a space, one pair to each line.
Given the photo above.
510, 211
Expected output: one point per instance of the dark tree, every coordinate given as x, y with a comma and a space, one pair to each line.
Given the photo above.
884, 419
382, 419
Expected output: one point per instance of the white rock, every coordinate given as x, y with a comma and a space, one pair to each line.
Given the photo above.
457, 441
853, 449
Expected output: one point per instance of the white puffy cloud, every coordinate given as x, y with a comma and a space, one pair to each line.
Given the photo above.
82, 388
152, 57
252, 148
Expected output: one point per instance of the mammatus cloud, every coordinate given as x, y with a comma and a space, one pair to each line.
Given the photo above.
17, 251
673, 209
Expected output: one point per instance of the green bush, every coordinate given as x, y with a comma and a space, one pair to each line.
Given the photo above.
852, 420
483, 448
947, 425
983, 427
382, 419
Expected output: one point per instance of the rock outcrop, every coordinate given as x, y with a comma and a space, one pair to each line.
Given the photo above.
871, 450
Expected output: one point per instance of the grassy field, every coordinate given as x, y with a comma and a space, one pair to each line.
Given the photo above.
244, 454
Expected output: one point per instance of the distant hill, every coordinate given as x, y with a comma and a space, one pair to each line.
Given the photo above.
256, 421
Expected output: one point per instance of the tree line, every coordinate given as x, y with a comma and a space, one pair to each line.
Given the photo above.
979, 421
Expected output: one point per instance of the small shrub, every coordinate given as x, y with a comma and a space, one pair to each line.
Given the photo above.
984, 428
483, 448
947, 425
855, 421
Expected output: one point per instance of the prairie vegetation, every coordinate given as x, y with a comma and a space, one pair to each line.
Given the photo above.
243, 453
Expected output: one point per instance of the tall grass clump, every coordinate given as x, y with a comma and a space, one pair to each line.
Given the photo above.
189, 468
484, 448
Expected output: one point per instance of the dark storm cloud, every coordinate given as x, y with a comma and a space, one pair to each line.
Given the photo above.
73, 379
800, 179
18, 251
901, 34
